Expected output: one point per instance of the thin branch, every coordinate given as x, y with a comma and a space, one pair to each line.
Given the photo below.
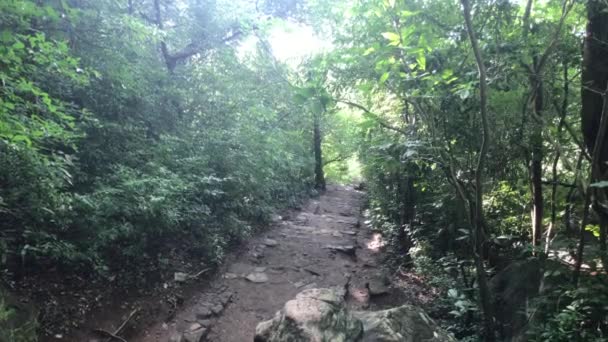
122, 326
526, 18
565, 185
573, 135
337, 159
194, 48
484, 292
373, 116
566, 7
110, 335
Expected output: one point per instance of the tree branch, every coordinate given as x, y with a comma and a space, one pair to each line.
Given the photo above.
373, 116
337, 159
194, 48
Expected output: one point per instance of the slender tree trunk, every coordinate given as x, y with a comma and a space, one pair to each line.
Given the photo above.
563, 113
536, 170
484, 290
553, 202
319, 175
536, 164
536, 160
581, 238
163, 45
407, 192
603, 229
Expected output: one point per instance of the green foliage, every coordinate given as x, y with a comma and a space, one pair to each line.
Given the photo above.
340, 144
129, 131
14, 326
572, 313
410, 70
34, 70
109, 153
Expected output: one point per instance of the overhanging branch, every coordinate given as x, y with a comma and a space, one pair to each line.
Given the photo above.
374, 116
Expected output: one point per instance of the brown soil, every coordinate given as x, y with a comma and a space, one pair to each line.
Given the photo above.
301, 259
305, 256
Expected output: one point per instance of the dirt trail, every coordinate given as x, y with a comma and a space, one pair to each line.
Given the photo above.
324, 245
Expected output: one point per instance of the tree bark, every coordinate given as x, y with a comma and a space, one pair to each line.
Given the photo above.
172, 59
536, 163
317, 139
563, 113
595, 72
594, 85
407, 192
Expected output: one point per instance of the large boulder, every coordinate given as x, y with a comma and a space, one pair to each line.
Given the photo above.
405, 323
320, 315
315, 315
513, 288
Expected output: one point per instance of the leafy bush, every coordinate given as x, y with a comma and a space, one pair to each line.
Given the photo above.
568, 313
15, 326
110, 160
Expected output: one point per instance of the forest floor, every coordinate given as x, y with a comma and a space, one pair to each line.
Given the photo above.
324, 244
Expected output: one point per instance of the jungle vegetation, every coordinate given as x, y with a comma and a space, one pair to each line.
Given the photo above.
132, 131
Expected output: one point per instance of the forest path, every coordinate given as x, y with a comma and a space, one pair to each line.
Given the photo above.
323, 245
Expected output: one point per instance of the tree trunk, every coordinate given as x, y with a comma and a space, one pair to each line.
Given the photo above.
563, 113
594, 84
536, 164
536, 172
485, 296
408, 198
319, 175
595, 72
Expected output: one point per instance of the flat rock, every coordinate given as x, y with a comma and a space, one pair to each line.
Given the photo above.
195, 326
322, 315
176, 337
196, 335
257, 277
271, 242
314, 315
349, 232
377, 288
205, 323
346, 249
302, 218
310, 286
204, 312
313, 271
229, 275
299, 284
217, 309
180, 277
226, 297
257, 255
404, 323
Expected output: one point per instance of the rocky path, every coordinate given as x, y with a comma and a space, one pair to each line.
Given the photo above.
323, 245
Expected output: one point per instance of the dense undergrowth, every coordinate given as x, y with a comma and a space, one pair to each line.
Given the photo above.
123, 143
476, 141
